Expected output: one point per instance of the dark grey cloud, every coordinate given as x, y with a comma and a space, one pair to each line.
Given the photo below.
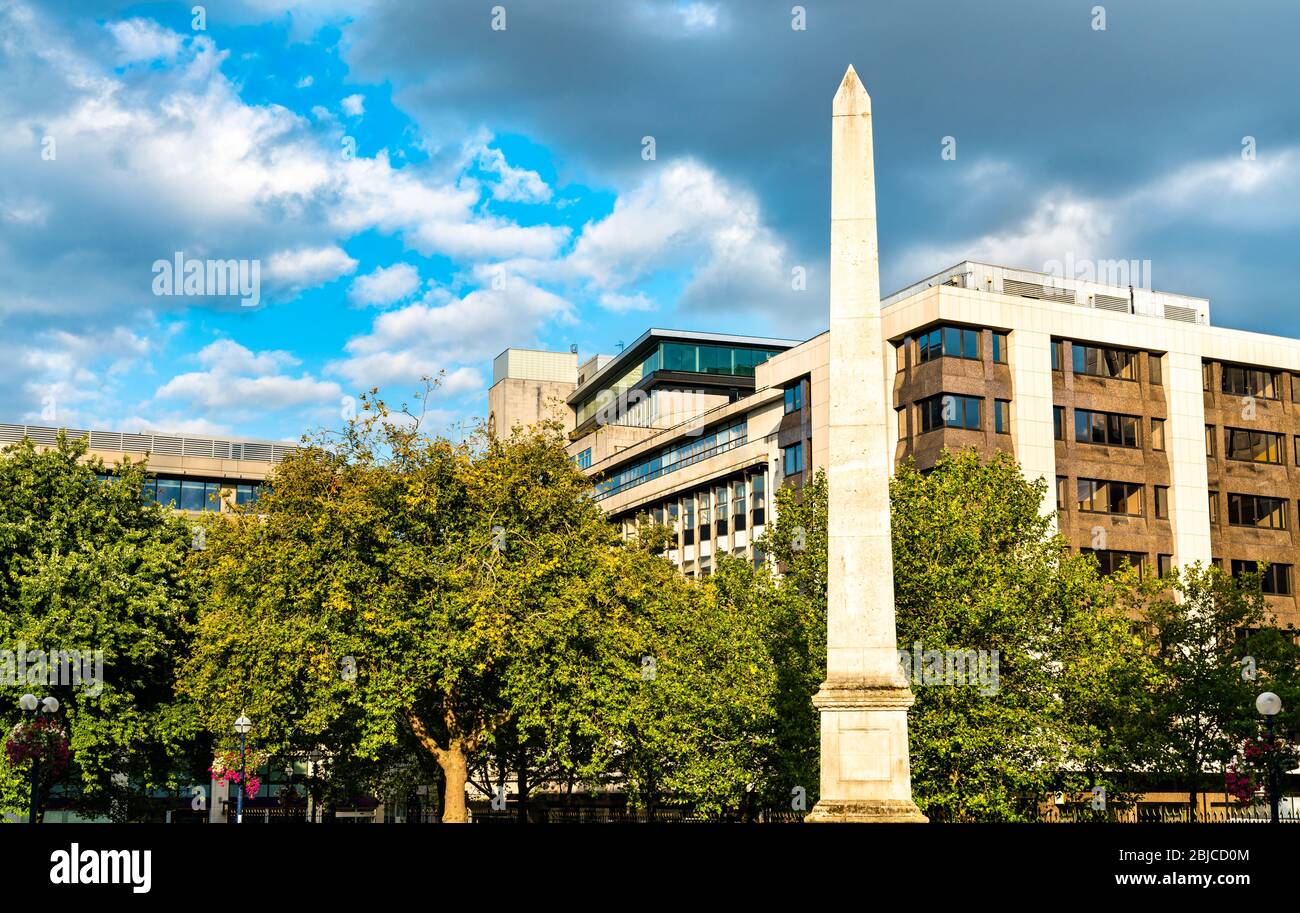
1024, 84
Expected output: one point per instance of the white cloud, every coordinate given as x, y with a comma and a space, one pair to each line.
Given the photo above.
308, 267
518, 185
354, 105
428, 337
240, 380
305, 82
141, 40
385, 285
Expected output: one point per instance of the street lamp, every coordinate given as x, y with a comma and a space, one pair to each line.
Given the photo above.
1269, 706
242, 725
32, 706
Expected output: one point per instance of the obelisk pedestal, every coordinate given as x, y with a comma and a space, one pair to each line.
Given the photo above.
865, 774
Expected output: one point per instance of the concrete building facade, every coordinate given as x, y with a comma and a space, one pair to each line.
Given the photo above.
1162, 438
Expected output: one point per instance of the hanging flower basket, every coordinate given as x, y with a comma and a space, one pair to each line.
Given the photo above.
41, 740
225, 769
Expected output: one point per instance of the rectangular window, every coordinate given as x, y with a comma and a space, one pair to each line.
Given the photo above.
1297, 450
1102, 497
953, 342
1164, 565
720, 510
1239, 381
1099, 361
583, 460
706, 523
951, 411
1154, 373
1112, 561
1056, 354
1157, 434
1002, 416
738, 503
1209, 440
999, 348
169, 492
1107, 428
1276, 579
757, 491
1295, 388
688, 520
793, 459
1062, 486
1207, 375
1058, 422
793, 398
1254, 446
247, 494
1162, 502
1214, 507
1256, 510
200, 495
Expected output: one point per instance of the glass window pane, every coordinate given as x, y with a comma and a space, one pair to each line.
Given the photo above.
169, 492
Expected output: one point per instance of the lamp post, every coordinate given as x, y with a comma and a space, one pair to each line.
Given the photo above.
1269, 706
32, 706
242, 725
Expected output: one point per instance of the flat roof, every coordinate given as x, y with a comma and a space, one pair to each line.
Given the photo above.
619, 361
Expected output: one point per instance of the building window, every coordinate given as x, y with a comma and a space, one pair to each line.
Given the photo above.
247, 494
1098, 361
1240, 381
1207, 375
1162, 502
720, 511
953, 342
1297, 451
1164, 565
688, 520
1106, 428
1276, 578
1058, 422
793, 459
583, 460
952, 411
793, 398
1154, 373
1112, 561
999, 348
757, 491
1062, 485
1157, 434
738, 503
1256, 510
1098, 496
1254, 446
1002, 416
199, 495
1295, 388
1209, 440
1214, 506
1056, 354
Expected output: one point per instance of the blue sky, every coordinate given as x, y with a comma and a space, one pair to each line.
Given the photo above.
422, 190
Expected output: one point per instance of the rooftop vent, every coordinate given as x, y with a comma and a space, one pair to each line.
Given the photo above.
1112, 303
1034, 290
1186, 315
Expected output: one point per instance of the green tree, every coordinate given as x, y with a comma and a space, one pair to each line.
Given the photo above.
1217, 647
87, 565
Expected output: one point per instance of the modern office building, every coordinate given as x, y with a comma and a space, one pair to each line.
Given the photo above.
1163, 439
191, 474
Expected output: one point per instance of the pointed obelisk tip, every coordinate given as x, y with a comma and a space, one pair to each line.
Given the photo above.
852, 97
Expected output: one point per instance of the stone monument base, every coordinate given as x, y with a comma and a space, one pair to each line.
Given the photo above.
866, 811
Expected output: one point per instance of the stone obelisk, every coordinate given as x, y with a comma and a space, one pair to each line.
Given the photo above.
865, 774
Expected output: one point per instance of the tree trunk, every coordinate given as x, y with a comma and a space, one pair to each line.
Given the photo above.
455, 769
1192, 805
523, 791
454, 761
